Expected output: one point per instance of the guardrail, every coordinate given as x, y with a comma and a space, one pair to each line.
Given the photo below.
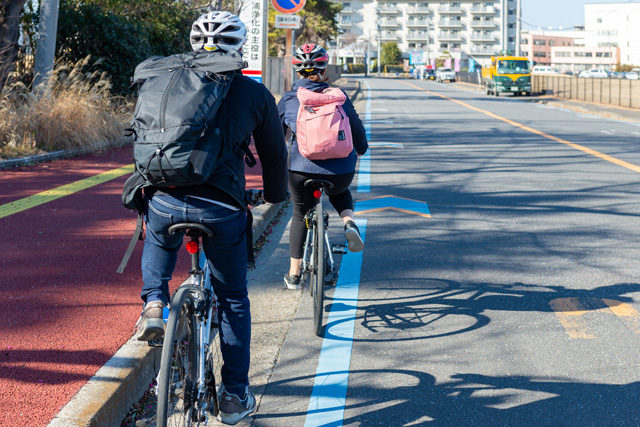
620, 92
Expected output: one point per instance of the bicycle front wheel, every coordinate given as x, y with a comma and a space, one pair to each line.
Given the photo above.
317, 278
177, 387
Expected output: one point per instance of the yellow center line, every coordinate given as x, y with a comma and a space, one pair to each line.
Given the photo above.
595, 153
64, 190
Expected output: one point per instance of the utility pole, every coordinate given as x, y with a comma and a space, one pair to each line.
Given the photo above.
368, 61
378, 27
518, 26
46, 48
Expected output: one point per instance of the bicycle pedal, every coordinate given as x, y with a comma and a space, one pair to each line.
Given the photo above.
155, 343
339, 249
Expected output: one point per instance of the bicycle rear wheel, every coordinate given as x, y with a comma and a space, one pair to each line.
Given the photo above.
177, 388
317, 277
213, 376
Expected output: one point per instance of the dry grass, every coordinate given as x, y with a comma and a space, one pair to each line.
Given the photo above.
76, 110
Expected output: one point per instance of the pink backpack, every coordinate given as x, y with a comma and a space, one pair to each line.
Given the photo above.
323, 130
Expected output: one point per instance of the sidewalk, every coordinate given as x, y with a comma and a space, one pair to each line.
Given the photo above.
107, 397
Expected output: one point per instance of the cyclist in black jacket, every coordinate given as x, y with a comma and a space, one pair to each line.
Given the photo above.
248, 109
310, 61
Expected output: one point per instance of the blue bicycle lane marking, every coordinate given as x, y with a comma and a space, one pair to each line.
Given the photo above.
328, 397
329, 394
364, 170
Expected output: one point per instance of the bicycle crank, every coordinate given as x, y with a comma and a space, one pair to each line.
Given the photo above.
337, 248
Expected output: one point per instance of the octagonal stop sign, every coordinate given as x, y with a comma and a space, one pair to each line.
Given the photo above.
287, 6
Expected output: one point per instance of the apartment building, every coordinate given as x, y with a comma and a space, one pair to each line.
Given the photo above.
537, 47
569, 50
466, 29
615, 25
578, 58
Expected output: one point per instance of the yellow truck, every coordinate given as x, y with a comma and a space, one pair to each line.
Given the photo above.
507, 74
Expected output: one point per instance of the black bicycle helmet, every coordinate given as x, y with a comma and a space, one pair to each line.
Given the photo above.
310, 59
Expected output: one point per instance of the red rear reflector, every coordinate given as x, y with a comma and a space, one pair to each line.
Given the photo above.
317, 194
192, 247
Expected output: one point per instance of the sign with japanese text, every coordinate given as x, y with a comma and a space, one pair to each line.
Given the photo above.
416, 58
288, 21
288, 6
253, 15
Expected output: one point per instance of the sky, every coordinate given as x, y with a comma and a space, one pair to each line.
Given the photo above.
557, 13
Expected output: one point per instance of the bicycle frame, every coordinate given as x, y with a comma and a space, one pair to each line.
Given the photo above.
310, 218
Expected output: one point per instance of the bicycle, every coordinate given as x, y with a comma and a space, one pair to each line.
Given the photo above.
189, 375
317, 260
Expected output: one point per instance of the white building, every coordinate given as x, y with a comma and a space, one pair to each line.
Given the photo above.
464, 28
615, 25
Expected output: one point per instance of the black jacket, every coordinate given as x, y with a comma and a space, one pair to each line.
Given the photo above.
248, 109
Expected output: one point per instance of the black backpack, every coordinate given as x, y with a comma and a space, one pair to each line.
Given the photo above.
179, 96
173, 144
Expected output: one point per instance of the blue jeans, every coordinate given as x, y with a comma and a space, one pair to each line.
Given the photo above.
227, 256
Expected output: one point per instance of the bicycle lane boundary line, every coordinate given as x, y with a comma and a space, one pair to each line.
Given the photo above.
579, 147
364, 169
329, 393
62, 191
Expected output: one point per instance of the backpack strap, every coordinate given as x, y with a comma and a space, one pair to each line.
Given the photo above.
249, 159
137, 235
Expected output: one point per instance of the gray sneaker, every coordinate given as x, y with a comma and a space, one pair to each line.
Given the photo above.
150, 325
354, 240
291, 282
232, 408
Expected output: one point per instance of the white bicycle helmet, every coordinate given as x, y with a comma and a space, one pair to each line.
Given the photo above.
218, 30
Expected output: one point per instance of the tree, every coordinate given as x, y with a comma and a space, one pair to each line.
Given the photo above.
440, 61
10, 11
318, 22
390, 54
123, 32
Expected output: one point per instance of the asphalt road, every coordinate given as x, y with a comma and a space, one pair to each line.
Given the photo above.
497, 285
515, 303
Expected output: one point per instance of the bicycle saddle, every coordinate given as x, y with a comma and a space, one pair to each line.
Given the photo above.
318, 183
191, 228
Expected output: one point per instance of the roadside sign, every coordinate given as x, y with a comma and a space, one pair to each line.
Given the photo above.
288, 21
253, 15
416, 58
288, 6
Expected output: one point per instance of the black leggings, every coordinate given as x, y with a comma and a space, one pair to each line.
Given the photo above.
303, 200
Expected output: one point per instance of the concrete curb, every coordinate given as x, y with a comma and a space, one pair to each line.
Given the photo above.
106, 398
62, 154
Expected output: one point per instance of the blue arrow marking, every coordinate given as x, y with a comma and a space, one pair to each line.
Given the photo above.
414, 207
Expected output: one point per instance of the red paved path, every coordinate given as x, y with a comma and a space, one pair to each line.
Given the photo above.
65, 311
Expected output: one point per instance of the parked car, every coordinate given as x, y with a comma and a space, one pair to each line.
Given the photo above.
444, 73
616, 75
594, 73
631, 75
429, 74
543, 69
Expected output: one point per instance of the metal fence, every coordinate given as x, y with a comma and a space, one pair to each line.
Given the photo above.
620, 92
465, 76
276, 69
